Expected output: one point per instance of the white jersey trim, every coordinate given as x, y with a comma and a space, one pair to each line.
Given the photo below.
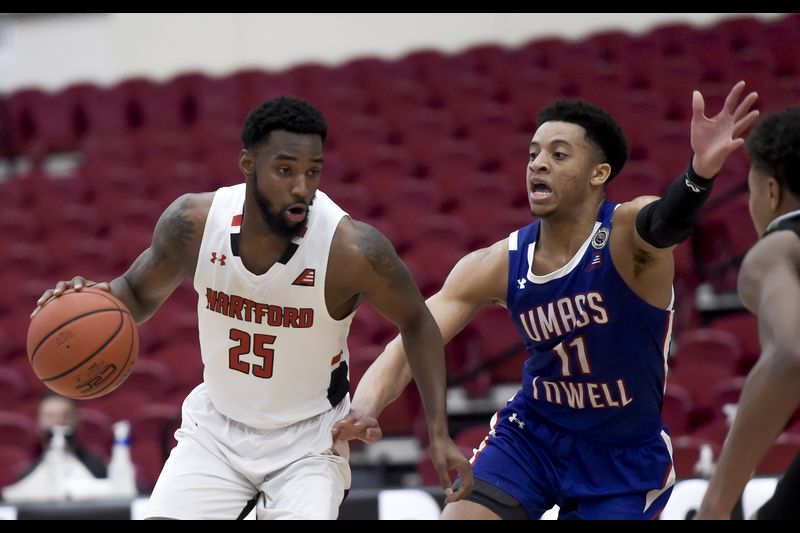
564, 270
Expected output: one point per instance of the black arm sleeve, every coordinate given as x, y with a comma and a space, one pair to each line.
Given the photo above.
669, 220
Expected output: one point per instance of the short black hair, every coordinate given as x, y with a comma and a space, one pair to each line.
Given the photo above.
774, 148
282, 113
601, 129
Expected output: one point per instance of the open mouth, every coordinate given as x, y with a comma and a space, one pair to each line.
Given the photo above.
297, 213
541, 192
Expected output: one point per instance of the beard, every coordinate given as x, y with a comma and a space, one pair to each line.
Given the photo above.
276, 223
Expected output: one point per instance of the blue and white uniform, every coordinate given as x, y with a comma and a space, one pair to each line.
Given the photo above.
585, 431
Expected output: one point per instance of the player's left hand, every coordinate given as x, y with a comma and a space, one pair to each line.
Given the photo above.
714, 139
446, 456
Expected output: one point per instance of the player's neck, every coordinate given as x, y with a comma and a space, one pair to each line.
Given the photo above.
787, 209
259, 246
563, 233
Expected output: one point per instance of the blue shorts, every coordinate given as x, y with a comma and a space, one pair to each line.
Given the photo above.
540, 466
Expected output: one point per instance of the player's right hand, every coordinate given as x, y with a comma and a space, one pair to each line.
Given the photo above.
77, 283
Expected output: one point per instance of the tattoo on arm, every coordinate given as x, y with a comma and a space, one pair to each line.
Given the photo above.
383, 259
173, 231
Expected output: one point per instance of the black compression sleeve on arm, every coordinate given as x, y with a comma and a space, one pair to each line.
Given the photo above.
669, 220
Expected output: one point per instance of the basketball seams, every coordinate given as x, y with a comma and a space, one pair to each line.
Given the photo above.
120, 375
108, 296
71, 320
100, 349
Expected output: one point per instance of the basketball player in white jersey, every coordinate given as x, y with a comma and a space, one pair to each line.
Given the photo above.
280, 271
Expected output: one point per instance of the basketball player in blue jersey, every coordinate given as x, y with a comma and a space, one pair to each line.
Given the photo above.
280, 271
769, 285
589, 287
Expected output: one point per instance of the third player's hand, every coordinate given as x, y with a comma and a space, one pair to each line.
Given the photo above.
446, 456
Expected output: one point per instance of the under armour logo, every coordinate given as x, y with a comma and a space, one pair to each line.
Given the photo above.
513, 418
521, 283
692, 185
221, 259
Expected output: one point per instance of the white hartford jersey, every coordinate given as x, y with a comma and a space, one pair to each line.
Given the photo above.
597, 351
272, 354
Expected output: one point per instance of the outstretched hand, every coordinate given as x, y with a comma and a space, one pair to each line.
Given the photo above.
357, 425
715, 138
446, 456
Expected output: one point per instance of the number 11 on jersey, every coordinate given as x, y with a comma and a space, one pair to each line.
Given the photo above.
583, 359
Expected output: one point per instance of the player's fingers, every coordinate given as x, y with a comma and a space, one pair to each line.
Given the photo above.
467, 482
733, 97
61, 286
78, 283
444, 478
745, 105
698, 106
745, 123
44, 297
103, 286
344, 429
736, 144
373, 434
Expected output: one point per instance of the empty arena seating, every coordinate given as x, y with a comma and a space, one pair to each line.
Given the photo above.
431, 148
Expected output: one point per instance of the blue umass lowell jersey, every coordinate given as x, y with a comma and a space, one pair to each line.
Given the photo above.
597, 351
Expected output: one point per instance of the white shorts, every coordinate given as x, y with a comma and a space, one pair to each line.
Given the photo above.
219, 465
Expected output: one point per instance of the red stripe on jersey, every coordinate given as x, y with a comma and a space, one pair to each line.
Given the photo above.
237, 220
336, 358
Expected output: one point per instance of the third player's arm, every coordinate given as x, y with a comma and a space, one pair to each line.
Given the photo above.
170, 258
770, 285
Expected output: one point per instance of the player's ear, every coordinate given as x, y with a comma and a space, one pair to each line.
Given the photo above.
247, 162
600, 174
775, 193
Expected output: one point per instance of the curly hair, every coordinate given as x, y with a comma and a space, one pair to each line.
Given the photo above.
283, 113
601, 129
774, 148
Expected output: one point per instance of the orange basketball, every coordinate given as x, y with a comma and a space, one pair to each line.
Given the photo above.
83, 344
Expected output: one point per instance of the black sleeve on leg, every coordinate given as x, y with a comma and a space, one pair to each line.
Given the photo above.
669, 220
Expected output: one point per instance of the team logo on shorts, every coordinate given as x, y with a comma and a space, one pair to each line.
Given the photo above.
600, 238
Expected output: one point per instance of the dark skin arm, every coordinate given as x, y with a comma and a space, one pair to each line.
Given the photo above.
478, 280
171, 257
769, 284
364, 262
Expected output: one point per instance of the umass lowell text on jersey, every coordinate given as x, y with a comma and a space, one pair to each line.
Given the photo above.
597, 351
